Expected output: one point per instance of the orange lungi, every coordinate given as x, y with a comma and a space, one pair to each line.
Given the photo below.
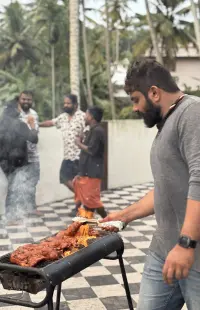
87, 191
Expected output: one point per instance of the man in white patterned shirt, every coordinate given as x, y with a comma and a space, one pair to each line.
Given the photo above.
72, 124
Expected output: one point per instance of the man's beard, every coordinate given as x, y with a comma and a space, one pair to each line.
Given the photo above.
26, 107
68, 110
152, 116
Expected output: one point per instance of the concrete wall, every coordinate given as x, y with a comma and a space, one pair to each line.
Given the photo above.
187, 71
129, 144
51, 155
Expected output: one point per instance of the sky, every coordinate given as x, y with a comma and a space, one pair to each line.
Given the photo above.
138, 7
135, 7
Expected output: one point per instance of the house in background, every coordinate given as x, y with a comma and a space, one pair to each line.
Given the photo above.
187, 71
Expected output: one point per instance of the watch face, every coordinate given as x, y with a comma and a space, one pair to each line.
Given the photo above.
184, 241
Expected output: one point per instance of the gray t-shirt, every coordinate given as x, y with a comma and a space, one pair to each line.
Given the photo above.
175, 163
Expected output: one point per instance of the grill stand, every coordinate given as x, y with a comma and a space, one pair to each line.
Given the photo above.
126, 286
58, 296
124, 277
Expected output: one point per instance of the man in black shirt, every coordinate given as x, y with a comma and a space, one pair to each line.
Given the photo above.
14, 135
87, 185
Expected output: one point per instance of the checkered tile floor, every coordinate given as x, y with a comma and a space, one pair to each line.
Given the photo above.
100, 286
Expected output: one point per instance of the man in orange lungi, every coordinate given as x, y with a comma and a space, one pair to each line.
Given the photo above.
87, 185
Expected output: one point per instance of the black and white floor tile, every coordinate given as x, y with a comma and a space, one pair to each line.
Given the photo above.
99, 287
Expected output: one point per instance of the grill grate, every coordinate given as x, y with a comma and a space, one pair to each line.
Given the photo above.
5, 259
33, 280
15, 278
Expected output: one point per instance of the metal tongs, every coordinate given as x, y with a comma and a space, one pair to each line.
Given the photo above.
118, 224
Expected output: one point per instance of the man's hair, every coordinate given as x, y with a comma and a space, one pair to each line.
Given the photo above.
73, 98
145, 73
11, 109
97, 113
26, 92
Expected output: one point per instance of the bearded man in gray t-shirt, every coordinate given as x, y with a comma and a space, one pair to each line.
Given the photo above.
171, 274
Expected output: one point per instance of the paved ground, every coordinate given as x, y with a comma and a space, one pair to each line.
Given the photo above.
98, 287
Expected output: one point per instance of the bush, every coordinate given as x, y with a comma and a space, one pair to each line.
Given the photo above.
189, 91
127, 113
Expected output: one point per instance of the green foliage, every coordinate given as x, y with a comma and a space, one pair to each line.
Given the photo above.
171, 29
28, 33
189, 91
127, 113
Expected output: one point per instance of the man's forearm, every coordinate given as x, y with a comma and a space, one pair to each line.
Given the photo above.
83, 147
144, 207
191, 226
46, 124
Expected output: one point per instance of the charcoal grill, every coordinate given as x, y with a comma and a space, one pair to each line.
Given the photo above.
49, 275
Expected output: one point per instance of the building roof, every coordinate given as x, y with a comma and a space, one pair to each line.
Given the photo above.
190, 79
190, 52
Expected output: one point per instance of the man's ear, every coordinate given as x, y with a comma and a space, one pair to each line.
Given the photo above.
154, 94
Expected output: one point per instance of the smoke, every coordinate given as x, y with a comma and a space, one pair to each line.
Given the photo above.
17, 192
20, 199
3, 191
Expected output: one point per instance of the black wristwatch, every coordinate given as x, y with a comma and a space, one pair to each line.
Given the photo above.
186, 242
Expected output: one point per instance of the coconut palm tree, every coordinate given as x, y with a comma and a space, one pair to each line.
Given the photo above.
86, 54
110, 87
155, 42
48, 21
196, 24
15, 42
74, 46
170, 29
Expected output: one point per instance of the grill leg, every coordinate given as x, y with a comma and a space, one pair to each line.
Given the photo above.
126, 286
58, 296
50, 304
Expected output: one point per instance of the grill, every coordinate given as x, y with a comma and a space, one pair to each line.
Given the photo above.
49, 275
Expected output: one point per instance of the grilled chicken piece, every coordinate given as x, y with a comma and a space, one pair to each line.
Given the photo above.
72, 229
31, 255
34, 260
52, 248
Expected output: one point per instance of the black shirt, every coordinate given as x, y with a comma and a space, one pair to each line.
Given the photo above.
92, 162
14, 135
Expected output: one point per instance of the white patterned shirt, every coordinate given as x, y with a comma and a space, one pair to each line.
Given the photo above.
33, 154
71, 128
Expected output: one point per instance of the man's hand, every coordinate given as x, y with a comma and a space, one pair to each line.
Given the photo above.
75, 178
78, 141
178, 264
31, 121
115, 216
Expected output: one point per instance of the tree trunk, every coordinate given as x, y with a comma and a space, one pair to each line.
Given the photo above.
87, 62
107, 37
74, 47
199, 7
153, 34
53, 81
117, 46
196, 24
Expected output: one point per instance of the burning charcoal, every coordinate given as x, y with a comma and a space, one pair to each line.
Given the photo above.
85, 213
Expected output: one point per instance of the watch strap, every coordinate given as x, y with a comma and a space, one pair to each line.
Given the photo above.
193, 244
